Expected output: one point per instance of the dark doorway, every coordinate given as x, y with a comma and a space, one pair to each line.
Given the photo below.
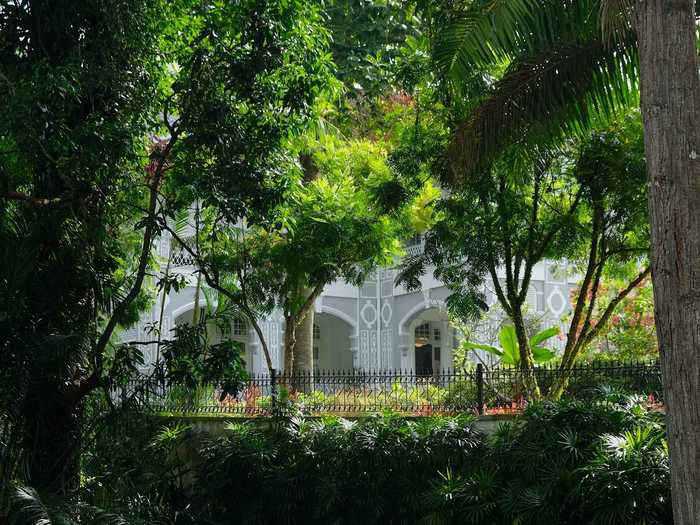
424, 360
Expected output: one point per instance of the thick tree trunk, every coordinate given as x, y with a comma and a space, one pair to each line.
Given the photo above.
290, 323
299, 341
670, 86
531, 389
298, 352
52, 435
304, 349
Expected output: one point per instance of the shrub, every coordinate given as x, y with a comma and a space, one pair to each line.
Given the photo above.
460, 395
628, 479
332, 470
557, 465
135, 466
587, 386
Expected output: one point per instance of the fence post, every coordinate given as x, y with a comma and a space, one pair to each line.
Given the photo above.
480, 389
273, 387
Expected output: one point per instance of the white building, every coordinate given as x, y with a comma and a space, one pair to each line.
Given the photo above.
375, 326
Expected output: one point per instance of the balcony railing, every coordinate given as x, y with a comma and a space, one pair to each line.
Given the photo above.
179, 254
415, 246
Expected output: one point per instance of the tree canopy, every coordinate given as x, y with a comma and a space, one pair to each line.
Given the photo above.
284, 145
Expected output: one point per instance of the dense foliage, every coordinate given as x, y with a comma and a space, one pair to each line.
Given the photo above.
583, 201
631, 333
559, 463
304, 139
82, 83
120, 114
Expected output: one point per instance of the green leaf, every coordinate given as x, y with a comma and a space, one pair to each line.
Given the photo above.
542, 355
488, 348
544, 335
508, 339
509, 344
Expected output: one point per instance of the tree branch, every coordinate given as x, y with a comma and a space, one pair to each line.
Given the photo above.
574, 333
92, 381
301, 315
506, 238
613, 304
34, 201
505, 303
213, 282
550, 235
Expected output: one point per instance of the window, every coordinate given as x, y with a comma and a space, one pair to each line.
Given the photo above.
317, 332
437, 353
316, 353
423, 331
240, 327
436, 334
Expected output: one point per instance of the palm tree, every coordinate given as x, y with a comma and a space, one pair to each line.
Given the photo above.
560, 73
566, 63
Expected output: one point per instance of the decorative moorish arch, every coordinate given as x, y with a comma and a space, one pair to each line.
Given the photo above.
325, 309
342, 343
437, 342
426, 304
177, 312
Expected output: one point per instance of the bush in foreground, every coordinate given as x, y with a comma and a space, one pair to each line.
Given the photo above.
563, 463
559, 463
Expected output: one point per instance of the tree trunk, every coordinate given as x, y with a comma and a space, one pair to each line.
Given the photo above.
304, 351
52, 435
561, 383
299, 341
196, 313
298, 352
670, 88
579, 339
531, 389
290, 323
161, 313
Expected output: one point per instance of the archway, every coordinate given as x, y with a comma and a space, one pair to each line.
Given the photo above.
431, 342
332, 342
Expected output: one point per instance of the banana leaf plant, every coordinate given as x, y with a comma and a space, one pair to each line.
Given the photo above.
509, 352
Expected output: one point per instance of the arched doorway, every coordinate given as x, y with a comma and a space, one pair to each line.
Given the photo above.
432, 339
332, 346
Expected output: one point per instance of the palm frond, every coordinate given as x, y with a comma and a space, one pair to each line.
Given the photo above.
484, 33
31, 509
561, 71
615, 18
489, 32
556, 93
181, 221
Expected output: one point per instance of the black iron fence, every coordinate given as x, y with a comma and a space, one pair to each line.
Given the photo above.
353, 392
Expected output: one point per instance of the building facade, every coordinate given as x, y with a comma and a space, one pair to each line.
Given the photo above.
372, 327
